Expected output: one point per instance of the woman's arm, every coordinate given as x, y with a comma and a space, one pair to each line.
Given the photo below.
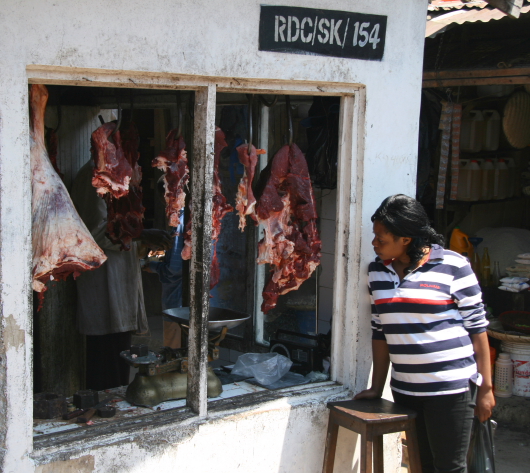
381, 364
485, 398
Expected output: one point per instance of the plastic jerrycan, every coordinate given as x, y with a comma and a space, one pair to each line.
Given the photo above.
472, 131
475, 178
500, 188
464, 183
492, 130
459, 242
488, 178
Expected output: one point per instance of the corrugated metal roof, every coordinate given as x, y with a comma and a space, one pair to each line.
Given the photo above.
479, 11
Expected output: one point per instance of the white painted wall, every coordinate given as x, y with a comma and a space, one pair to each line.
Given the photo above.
165, 39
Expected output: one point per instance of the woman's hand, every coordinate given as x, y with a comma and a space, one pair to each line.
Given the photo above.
485, 403
371, 393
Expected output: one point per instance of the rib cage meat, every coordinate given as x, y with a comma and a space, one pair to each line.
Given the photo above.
125, 214
287, 210
174, 163
62, 245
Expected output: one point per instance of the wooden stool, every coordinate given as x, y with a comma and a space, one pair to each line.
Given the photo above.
371, 418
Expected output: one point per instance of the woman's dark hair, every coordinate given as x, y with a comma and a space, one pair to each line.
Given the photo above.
404, 216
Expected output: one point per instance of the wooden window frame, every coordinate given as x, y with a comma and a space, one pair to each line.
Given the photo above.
349, 194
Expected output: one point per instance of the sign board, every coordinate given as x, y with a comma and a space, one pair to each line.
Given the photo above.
322, 32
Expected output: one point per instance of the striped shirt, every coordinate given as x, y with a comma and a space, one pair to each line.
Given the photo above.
427, 319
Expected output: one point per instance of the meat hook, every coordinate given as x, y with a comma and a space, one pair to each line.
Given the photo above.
118, 123
191, 106
179, 113
289, 118
268, 104
250, 103
131, 98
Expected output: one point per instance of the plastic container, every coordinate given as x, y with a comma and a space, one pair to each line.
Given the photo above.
488, 180
486, 267
512, 176
520, 356
492, 130
472, 131
503, 386
475, 179
500, 187
464, 183
459, 242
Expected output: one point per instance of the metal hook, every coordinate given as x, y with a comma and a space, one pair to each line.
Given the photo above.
118, 123
179, 112
268, 104
250, 103
289, 118
131, 99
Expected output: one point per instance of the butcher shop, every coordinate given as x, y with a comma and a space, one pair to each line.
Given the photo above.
185, 227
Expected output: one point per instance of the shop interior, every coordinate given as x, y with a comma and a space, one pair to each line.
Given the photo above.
298, 327
474, 175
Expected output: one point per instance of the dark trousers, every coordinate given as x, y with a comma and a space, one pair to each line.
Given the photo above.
444, 428
104, 367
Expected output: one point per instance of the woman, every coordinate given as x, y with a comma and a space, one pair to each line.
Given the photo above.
428, 320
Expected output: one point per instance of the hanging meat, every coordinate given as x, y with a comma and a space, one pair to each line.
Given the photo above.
219, 209
125, 214
245, 200
287, 210
52, 146
62, 245
174, 163
112, 171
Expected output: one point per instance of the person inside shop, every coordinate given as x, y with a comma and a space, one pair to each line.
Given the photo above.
428, 320
169, 270
110, 299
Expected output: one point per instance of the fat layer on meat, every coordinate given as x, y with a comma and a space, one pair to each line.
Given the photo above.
62, 245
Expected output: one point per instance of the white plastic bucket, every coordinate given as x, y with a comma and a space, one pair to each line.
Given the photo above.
520, 355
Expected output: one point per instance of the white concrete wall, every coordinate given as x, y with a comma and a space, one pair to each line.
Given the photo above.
217, 39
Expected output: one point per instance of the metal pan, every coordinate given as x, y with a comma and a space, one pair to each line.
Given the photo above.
218, 318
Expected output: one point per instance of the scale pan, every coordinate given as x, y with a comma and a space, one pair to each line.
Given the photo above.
218, 317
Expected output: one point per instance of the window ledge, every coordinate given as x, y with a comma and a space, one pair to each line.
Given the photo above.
62, 445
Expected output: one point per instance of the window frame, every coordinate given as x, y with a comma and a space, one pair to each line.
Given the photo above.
349, 196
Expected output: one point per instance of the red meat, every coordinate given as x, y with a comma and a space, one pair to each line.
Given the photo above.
219, 210
62, 245
125, 214
52, 146
245, 200
287, 210
174, 163
112, 171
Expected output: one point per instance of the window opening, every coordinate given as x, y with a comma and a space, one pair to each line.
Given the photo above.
241, 281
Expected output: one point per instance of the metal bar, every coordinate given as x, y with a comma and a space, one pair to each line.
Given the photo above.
202, 193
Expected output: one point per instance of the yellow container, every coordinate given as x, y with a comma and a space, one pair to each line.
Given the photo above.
459, 242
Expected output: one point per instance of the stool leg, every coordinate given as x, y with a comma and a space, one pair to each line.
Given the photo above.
366, 454
413, 449
331, 445
379, 457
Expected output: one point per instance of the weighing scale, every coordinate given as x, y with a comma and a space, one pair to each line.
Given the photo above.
163, 376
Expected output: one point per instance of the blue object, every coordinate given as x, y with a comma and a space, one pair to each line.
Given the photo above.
170, 270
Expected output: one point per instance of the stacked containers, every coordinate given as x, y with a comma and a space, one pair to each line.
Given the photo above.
472, 131
492, 130
488, 179
464, 184
475, 179
500, 187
